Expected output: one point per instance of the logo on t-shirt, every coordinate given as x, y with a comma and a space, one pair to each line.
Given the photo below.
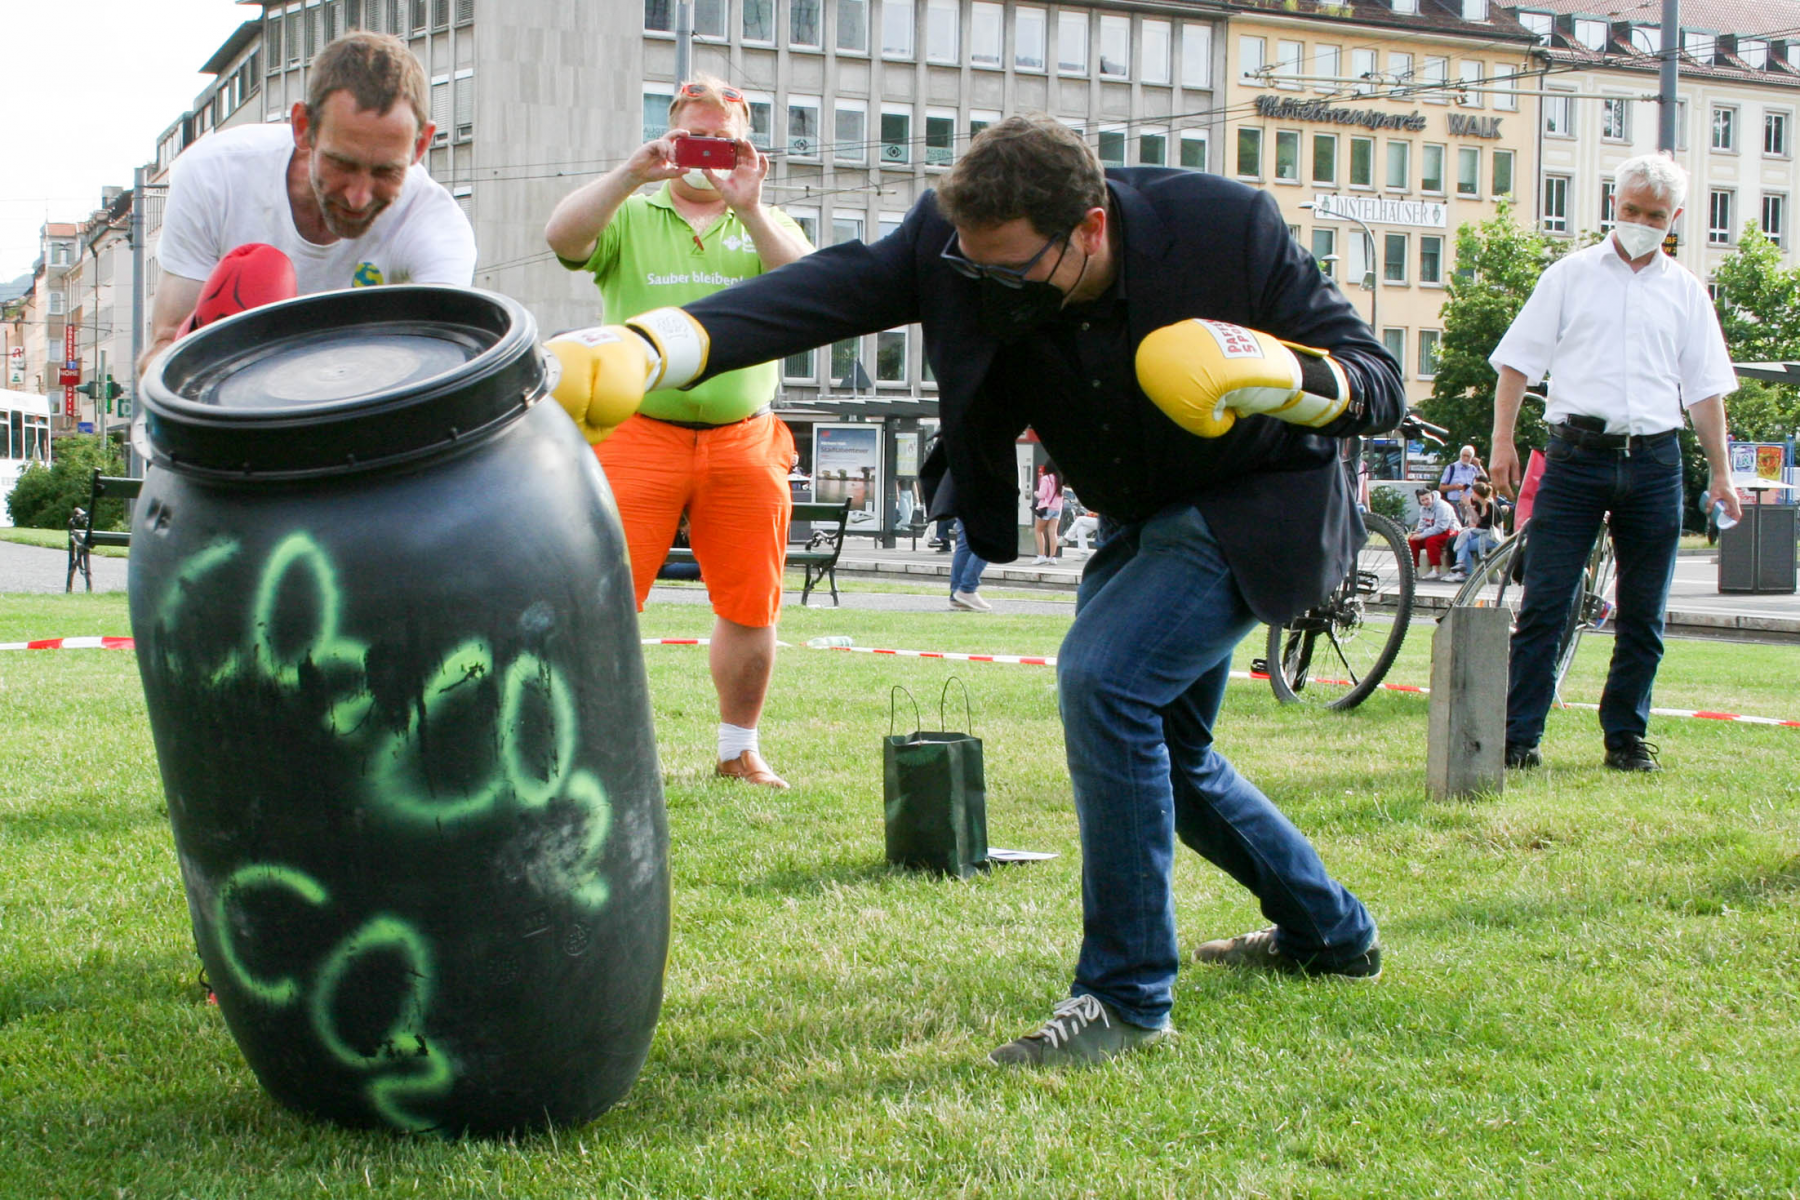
738, 242
367, 275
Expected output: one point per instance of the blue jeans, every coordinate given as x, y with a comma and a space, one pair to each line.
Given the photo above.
965, 565
1642, 491
1140, 678
1471, 546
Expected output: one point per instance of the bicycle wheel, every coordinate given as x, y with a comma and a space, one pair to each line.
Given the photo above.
1498, 581
1335, 655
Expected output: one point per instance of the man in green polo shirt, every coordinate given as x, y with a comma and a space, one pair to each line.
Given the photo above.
715, 452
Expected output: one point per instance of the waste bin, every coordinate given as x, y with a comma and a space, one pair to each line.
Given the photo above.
1757, 555
386, 628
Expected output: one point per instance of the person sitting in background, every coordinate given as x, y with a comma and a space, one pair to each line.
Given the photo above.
1437, 525
1454, 483
1480, 535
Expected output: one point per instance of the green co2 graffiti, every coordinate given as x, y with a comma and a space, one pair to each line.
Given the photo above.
298, 551
274, 992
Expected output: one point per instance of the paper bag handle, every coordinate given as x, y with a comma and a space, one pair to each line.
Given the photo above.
968, 710
918, 721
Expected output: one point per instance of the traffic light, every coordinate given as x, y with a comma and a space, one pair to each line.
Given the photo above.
107, 389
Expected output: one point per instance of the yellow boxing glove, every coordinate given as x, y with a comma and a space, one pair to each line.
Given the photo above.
1206, 374
606, 371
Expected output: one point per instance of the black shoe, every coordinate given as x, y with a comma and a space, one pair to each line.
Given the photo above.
1634, 755
1523, 757
1258, 951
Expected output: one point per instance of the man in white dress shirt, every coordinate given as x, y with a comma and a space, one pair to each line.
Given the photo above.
1630, 340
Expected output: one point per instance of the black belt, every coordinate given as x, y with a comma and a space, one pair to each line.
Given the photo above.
703, 425
1587, 439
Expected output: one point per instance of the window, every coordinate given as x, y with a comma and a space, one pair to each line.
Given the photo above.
1288, 59
1609, 198
1428, 352
1754, 52
1724, 128
1028, 39
1327, 62
940, 137
1394, 254
803, 127
1196, 55
1436, 73
1503, 173
801, 368
1071, 42
1358, 271
1556, 204
1699, 46
1395, 341
1362, 162
1775, 143
1115, 47
272, 40
1324, 249
762, 121
1469, 73
1153, 51
463, 105
897, 29
1646, 39
846, 364
987, 34
56, 303
1507, 98
896, 136
1774, 216
1542, 24
1250, 57
846, 227
808, 221
1153, 148
853, 26
1718, 217
1431, 169
1615, 119
1591, 34
1399, 166
1112, 147
1362, 67
890, 356
851, 141
1324, 168
759, 20
1559, 114
1431, 258
943, 31
1249, 153
1468, 171
656, 113
709, 18
659, 16
1287, 155
1193, 149
1400, 66
980, 119
804, 24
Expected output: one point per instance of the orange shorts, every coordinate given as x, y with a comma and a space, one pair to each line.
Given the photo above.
731, 481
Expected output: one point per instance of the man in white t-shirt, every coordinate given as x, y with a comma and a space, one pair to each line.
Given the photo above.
340, 191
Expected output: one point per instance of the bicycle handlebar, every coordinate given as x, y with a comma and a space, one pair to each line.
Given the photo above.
1414, 426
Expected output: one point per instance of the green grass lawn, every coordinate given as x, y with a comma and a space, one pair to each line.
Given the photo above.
1592, 985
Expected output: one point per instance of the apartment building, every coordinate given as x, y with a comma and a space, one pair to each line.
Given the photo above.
1738, 100
1381, 126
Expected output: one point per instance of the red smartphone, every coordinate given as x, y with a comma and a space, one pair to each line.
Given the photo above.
718, 154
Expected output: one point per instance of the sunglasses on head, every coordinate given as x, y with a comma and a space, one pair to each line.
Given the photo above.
694, 91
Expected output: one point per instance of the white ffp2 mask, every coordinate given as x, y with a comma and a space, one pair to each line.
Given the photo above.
1638, 240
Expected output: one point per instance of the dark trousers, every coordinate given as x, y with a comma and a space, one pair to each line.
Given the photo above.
1642, 492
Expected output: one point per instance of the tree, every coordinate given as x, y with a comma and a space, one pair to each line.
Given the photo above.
1758, 301
1497, 265
45, 496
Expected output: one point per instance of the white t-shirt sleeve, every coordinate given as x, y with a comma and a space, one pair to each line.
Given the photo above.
438, 245
1530, 343
1705, 361
193, 220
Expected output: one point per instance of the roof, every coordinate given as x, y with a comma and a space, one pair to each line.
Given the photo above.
1433, 17
1773, 20
1769, 17
221, 58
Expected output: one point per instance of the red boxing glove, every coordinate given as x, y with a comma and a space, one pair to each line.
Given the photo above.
249, 277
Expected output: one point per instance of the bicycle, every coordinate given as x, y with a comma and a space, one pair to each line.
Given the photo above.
1498, 581
1337, 653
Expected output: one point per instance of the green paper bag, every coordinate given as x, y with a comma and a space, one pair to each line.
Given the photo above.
936, 794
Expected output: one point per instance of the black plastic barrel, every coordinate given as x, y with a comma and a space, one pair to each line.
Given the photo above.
384, 618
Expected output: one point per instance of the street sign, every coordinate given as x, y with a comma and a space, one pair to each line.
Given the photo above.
67, 377
68, 402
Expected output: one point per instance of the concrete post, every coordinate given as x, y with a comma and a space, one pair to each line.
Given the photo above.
1466, 739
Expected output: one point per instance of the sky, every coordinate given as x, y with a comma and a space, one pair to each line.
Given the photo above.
91, 86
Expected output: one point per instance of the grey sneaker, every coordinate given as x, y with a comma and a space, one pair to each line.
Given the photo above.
1258, 951
1081, 1029
971, 601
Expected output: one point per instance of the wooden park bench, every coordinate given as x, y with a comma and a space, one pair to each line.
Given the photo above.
815, 551
82, 534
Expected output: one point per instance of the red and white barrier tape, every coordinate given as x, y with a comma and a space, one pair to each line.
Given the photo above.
1027, 660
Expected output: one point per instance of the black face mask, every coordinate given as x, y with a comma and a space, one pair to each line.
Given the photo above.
1009, 313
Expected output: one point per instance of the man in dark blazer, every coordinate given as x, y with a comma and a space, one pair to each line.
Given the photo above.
1116, 312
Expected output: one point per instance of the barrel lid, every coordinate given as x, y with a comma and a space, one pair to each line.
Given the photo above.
341, 382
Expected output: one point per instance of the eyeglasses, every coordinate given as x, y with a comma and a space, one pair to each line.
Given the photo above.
695, 91
1012, 277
